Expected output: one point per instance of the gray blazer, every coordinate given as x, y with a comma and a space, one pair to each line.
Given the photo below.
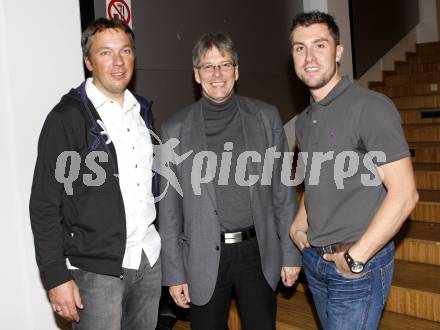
189, 225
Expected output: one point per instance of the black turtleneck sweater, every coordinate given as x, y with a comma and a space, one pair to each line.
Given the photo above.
223, 124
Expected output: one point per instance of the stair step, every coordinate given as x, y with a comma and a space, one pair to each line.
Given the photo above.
415, 290
408, 68
419, 242
373, 84
420, 116
404, 79
428, 48
417, 102
393, 321
388, 73
409, 90
420, 59
425, 152
427, 176
427, 208
182, 325
422, 133
296, 311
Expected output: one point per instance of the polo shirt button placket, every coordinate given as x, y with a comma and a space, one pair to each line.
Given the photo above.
315, 134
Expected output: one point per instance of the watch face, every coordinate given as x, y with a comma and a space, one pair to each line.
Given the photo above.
357, 267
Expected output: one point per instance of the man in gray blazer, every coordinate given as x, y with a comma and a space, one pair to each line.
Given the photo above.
225, 224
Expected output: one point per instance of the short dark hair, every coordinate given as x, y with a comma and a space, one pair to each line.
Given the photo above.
99, 25
220, 40
316, 17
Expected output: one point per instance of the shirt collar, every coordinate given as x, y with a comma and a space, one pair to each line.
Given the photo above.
99, 99
339, 88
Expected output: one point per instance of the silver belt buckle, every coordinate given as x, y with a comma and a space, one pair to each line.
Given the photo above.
231, 238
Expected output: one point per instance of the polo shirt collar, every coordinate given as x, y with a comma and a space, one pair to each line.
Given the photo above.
340, 87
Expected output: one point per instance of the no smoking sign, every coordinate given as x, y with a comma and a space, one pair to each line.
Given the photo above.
120, 9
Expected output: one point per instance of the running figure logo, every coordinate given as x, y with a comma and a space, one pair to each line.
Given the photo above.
164, 156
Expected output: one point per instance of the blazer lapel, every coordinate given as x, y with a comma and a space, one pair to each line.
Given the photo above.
196, 135
253, 138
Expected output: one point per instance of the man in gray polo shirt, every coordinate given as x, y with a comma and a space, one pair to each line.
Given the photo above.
349, 213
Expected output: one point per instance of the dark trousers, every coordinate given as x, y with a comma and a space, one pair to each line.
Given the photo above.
239, 270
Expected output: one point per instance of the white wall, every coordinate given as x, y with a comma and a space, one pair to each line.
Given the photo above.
427, 30
339, 9
310, 5
40, 59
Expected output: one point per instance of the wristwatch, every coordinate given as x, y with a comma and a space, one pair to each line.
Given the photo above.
356, 267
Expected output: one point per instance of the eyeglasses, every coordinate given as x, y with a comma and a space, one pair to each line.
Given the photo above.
210, 68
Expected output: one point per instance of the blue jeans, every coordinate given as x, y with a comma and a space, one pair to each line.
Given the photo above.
349, 302
113, 304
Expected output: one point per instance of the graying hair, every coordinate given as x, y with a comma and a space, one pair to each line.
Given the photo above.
220, 40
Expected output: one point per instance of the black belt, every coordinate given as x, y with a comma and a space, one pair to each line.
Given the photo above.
238, 236
333, 248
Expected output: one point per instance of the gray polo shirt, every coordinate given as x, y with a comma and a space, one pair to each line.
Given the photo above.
353, 128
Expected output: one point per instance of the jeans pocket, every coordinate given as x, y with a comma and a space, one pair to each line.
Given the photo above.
350, 276
335, 274
386, 273
347, 289
309, 259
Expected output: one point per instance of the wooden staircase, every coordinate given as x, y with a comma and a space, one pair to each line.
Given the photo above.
414, 301
414, 87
